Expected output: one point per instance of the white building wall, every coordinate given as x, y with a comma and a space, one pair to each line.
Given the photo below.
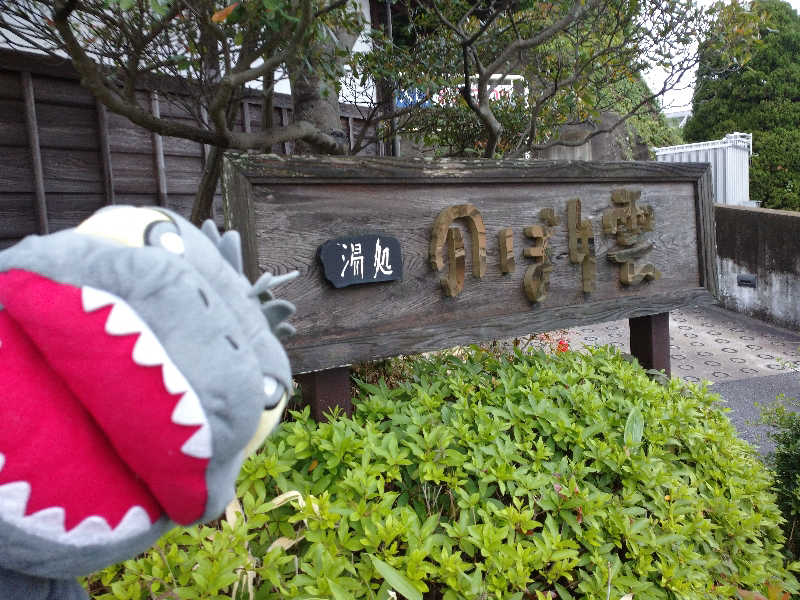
730, 165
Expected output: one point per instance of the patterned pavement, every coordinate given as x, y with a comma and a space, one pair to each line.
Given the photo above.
709, 343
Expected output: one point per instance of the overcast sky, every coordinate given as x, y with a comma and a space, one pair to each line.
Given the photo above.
681, 99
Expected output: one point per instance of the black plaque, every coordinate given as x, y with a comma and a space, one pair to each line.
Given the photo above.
369, 258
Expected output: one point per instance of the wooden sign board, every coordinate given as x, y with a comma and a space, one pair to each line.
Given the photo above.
490, 249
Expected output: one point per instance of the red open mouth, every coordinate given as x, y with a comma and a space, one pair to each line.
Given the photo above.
100, 433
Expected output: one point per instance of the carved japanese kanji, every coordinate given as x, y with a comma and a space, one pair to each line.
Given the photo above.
477, 231
628, 221
454, 282
580, 238
505, 239
537, 275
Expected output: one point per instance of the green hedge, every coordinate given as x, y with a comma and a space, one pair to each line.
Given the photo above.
530, 476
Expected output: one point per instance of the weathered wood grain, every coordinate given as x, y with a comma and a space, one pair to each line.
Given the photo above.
9, 84
103, 142
127, 137
296, 205
158, 154
16, 171
387, 171
12, 123
64, 92
32, 127
68, 210
239, 215
69, 127
706, 234
18, 218
72, 171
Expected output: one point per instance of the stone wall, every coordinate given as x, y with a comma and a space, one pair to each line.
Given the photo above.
766, 244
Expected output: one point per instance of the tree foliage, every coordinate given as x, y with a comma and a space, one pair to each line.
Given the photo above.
570, 55
212, 51
762, 98
449, 128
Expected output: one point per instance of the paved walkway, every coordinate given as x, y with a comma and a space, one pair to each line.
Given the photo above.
746, 360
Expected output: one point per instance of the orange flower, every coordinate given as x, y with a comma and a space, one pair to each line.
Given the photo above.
563, 346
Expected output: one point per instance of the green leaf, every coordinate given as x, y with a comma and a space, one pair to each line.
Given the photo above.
338, 591
634, 427
397, 580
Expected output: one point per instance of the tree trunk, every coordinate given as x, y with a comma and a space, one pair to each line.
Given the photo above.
204, 199
316, 100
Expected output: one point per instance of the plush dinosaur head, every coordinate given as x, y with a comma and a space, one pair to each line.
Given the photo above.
136, 361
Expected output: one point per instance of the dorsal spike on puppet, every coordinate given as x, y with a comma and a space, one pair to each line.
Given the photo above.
284, 330
210, 229
230, 246
277, 311
267, 281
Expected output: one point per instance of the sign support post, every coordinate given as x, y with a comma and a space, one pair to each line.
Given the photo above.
650, 341
322, 390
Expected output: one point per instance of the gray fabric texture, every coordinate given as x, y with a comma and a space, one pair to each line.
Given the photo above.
198, 306
15, 586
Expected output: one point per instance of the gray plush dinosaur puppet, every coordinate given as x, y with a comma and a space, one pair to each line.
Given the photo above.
136, 361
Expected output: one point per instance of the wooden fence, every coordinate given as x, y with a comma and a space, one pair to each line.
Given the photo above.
63, 155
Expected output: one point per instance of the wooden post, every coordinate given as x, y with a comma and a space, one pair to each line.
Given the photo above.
246, 116
105, 152
158, 153
350, 131
322, 390
284, 123
36, 153
650, 341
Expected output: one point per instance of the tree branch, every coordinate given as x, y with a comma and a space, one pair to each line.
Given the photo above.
93, 79
576, 11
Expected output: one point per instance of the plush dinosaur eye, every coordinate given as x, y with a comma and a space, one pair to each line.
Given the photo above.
273, 391
164, 234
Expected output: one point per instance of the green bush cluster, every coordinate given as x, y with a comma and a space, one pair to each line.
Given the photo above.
784, 420
518, 477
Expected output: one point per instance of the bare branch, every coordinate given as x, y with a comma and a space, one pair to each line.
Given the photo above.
576, 11
329, 8
92, 77
241, 74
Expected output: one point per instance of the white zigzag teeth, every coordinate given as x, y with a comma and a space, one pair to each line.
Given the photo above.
93, 527
122, 320
188, 411
148, 352
45, 522
199, 445
93, 299
96, 529
174, 380
14, 498
49, 522
135, 521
